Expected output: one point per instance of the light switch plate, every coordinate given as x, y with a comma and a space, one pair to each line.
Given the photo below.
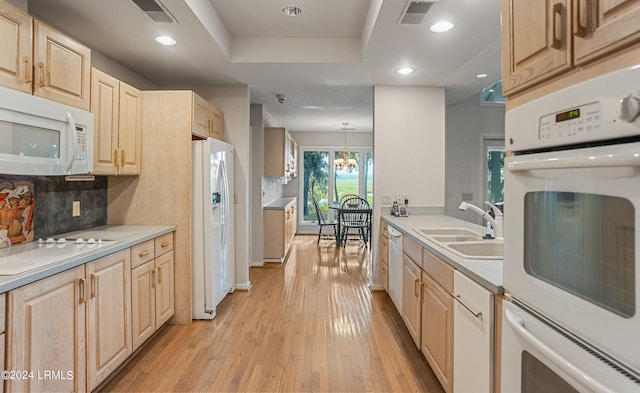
76, 209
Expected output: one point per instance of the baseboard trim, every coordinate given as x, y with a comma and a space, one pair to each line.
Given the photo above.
243, 287
376, 287
256, 264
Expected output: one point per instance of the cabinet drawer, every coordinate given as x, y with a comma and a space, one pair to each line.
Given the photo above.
163, 244
142, 253
384, 228
384, 249
3, 309
439, 270
412, 249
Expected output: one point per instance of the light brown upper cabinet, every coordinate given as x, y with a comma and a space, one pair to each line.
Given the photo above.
280, 153
16, 37
117, 108
35, 58
62, 67
604, 26
543, 39
207, 119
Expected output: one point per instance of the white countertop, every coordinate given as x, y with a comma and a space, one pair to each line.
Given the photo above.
486, 272
124, 236
279, 204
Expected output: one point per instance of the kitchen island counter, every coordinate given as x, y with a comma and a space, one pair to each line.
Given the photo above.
486, 272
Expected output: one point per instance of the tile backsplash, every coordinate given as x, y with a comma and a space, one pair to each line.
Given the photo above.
54, 197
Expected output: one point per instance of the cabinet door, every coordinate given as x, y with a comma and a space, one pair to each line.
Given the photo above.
105, 92
215, 117
164, 288
437, 331
47, 330
274, 234
535, 42
143, 303
109, 315
384, 275
16, 68
129, 129
602, 26
200, 119
274, 151
473, 336
411, 298
62, 67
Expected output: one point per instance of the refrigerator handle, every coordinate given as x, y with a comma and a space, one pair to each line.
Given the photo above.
225, 202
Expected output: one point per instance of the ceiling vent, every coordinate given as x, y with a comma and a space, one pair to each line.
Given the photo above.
155, 10
414, 12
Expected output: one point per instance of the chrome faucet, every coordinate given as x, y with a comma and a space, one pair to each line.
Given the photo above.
496, 223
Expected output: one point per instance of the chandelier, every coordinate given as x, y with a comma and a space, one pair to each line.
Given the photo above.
345, 162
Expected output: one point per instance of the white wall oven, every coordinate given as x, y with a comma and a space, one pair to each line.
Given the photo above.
571, 262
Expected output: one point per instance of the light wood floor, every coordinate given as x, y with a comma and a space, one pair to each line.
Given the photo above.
310, 325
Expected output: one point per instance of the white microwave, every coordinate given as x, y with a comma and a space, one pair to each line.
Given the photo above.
39, 137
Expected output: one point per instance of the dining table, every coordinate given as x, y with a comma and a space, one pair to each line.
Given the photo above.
339, 209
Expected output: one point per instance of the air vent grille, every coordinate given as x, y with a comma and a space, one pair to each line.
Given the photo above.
155, 10
414, 12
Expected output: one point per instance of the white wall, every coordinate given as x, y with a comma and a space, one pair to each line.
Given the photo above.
120, 72
233, 101
467, 123
409, 150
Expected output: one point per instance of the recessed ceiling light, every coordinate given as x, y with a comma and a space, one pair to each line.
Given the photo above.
482, 75
441, 27
165, 40
405, 71
292, 10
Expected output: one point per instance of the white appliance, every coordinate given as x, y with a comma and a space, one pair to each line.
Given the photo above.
42, 137
395, 267
212, 225
571, 263
473, 342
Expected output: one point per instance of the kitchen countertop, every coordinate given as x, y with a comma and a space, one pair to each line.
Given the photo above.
279, 204
486, 272
125, 236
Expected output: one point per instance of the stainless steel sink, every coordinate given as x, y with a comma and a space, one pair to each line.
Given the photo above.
430, 232
485, 249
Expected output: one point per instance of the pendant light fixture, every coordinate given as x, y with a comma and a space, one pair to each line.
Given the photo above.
345, 162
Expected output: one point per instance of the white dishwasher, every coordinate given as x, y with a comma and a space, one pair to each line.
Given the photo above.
395, 267
472, 336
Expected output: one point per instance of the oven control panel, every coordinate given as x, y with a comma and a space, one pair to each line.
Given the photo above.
579, 121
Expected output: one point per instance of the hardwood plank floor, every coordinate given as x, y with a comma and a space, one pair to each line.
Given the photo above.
309, 325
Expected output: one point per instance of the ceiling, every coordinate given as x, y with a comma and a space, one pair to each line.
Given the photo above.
326, 60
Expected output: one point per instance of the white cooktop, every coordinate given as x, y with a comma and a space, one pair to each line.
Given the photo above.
24, 257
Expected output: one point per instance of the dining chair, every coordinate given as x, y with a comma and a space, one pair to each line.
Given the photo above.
355, 214
347, 196
322, 222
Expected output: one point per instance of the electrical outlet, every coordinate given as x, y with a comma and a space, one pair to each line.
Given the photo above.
76, 209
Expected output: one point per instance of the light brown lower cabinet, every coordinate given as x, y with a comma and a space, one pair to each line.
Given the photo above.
68, 332
108, 315
47, 333
411, 298
437, 331
280, 226
152, 296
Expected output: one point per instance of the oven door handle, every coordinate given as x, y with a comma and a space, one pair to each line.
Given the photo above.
518, 325
592, 161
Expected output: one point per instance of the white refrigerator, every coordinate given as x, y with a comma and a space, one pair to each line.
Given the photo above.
212, 228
